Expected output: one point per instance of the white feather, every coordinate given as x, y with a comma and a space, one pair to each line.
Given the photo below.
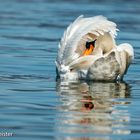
70, 60
80, 27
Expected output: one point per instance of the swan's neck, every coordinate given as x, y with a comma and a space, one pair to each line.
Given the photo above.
104, 44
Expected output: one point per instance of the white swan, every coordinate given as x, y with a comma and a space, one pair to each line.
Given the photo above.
88, 50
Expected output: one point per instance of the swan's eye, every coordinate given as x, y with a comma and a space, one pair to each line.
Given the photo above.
87, 45
92, 43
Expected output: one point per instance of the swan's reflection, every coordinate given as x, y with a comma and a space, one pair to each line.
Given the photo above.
94, 108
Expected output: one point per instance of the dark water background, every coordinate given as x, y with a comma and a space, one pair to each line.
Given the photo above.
33, 106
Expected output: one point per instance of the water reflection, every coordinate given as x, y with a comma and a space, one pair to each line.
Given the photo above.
94, 109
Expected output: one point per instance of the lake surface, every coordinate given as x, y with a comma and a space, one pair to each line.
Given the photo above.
33, 105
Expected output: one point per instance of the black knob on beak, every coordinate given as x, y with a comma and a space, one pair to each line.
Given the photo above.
90, 43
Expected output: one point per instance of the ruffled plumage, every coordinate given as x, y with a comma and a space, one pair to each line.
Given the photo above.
70, 62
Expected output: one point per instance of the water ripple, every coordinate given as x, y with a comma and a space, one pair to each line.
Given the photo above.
32, 38
33, 105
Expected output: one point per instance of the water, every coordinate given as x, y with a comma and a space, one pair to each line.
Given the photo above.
33, 105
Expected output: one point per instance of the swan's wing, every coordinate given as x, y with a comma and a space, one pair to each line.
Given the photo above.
82, 62
104, 68
125, 56
65, 40
68, 46
113, 65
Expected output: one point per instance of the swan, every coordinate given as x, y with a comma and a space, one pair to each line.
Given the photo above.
88, 51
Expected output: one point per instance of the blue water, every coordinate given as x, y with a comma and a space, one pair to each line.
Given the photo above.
33, 105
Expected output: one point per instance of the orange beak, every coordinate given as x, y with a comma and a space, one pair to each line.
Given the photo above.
89, 51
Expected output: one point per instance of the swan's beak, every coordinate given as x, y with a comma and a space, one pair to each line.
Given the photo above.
89, 47
89, 50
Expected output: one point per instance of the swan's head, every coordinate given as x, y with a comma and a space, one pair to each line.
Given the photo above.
89, 47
